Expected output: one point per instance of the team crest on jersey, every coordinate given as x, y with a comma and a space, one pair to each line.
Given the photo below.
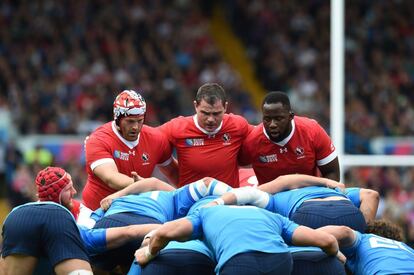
226, 139
121, 155
145, 158
194, 141
300, 152
268, 158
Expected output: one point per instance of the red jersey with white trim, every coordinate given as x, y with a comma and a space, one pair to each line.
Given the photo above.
207, 155
307, 147
105, 144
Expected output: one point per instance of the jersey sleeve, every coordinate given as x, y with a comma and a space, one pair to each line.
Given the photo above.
167, 130
95, 150
288, 227
350, 251
164, 147
353, 194
93, 239
197, 224
325, 150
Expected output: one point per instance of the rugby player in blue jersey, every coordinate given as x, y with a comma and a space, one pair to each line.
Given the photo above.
379, 251
156, 207
244, 239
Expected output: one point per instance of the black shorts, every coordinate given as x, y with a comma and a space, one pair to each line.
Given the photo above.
123, 255
42, 230
180, 262
317, 214
315, 263
258, 263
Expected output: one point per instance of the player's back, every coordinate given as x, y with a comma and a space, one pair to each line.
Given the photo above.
285, 203
155, 204
231, 230
372, 254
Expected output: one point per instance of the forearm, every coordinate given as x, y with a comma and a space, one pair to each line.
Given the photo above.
178, 230
117, 236
245, 195
171, 172
288, 182
369, 204
305, 236
344, 235
118, 181
144, 185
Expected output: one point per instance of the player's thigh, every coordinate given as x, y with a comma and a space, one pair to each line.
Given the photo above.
18, 264
67, 266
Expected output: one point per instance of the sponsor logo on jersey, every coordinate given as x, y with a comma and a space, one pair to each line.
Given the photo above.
194, 141
121, 155
226, 139
268, 158
145, 158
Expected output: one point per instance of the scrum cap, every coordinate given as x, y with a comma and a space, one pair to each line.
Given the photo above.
129, 103
50, 182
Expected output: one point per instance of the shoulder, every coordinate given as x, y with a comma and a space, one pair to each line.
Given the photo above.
308, 126
235, 118
103, 130
179, 122
301, 121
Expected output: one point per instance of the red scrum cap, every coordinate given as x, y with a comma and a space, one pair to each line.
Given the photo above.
129, 103
50, 182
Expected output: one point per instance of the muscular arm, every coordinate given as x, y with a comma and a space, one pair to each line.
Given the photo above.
179, 230
171, 171
117, 236
109, 174
242, 196
141, 186
288, 182
306, 236
344, 234
331, 170
369, 203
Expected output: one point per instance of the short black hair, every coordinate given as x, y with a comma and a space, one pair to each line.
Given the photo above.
277, 97
211, 93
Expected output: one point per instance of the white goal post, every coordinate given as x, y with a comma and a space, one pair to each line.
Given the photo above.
337, 113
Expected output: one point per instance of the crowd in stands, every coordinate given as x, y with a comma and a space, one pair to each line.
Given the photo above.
62, 63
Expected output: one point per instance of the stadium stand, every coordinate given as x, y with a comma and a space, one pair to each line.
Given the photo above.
60, 62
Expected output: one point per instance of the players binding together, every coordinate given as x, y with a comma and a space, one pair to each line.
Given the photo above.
296, 219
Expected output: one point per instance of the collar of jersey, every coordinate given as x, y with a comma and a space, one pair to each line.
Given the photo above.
286, 140
204, 130
130, 144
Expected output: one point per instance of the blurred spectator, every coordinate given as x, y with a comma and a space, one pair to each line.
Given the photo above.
160, 47
39, 157
22, 187
289, 42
